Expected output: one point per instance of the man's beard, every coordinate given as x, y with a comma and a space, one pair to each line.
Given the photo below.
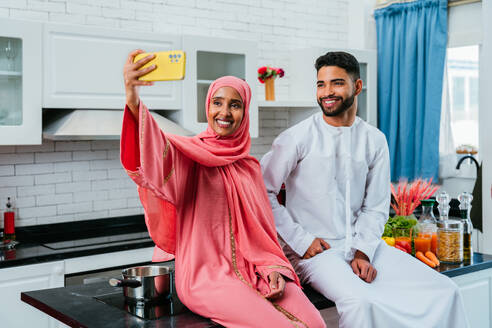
344, 106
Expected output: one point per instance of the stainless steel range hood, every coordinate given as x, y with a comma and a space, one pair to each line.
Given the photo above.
90, 124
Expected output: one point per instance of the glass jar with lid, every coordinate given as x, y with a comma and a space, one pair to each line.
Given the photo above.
427, 223
450, 241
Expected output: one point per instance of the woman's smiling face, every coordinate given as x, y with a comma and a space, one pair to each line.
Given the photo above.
226, 111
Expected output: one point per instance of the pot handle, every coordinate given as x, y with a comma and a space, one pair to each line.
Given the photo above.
125, 283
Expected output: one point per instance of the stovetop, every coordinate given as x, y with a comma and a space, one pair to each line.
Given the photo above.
60, 241
169, 306
127, 238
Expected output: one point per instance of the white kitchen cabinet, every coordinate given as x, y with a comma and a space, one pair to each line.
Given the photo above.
20, 82
15, 313
108, 260
208, 59
303, 78
476, 288
83, 67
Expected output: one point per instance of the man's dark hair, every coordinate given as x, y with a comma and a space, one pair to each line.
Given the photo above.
341, 59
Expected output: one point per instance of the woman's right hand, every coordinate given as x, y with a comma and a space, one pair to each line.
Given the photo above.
131, 73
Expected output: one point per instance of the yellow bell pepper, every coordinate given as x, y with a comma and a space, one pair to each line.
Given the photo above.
389, 240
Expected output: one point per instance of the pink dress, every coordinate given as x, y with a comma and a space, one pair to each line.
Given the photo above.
212, 277
215, 221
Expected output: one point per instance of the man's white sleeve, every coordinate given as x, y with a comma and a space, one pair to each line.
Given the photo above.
276, 166
369, 225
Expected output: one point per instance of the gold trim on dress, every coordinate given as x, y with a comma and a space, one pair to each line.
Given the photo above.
293, 319
277, 267
289, 315
166, 150
233, 252
166, 179
134, 173
142, 126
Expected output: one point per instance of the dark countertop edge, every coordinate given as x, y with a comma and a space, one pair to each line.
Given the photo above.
50, 311
73, 254
57, 303
467, 269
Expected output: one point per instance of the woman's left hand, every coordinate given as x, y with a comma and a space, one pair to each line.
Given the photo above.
277, 286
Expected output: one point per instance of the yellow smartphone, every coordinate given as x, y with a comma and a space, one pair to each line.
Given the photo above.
170, 65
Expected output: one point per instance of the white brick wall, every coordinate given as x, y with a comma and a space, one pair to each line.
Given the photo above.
79, 183
67, 181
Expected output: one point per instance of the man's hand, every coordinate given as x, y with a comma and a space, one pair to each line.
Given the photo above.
277, 285
362, 268
317, 246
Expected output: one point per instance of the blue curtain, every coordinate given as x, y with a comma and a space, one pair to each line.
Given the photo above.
412, 40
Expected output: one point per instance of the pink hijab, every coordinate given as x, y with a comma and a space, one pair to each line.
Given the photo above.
209, 149
252, 217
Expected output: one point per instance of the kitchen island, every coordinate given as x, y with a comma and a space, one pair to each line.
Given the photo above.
84, 306
48, 256
78, 306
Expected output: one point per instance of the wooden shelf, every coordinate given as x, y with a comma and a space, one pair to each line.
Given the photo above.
287, 104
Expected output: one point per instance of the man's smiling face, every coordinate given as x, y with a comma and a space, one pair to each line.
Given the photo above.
336, 90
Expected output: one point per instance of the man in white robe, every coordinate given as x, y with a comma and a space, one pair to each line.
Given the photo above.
336, 172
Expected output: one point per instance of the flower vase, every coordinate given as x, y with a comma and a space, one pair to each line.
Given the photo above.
270, 89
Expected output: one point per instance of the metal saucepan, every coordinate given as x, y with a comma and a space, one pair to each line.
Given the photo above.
146, 283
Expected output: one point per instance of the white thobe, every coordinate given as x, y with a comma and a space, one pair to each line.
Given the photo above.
338, 188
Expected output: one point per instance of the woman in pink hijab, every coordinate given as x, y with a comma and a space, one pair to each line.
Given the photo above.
205, 203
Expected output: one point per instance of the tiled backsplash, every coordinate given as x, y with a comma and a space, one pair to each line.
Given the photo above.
276, 25
66, 181
79, 180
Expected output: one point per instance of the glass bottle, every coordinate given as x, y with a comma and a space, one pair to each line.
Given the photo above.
443, 207
8, 223
465, 199
427, 222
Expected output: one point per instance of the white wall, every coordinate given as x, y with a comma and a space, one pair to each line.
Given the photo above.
361, 25
465, 25
65, 181
485, 123
82, 180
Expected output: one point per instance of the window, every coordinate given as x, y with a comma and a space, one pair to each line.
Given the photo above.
462, 66
458, 87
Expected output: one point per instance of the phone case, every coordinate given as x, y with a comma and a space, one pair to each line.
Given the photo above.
170, 65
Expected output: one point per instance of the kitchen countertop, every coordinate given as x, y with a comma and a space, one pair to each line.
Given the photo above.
60, 241
76, 305
53, 242
480, 262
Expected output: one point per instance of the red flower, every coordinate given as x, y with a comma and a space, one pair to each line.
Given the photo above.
267, 72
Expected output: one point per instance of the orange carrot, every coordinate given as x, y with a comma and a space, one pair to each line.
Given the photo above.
424, 259
431, 256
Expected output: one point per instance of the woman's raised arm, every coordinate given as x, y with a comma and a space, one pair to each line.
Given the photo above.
131, 73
